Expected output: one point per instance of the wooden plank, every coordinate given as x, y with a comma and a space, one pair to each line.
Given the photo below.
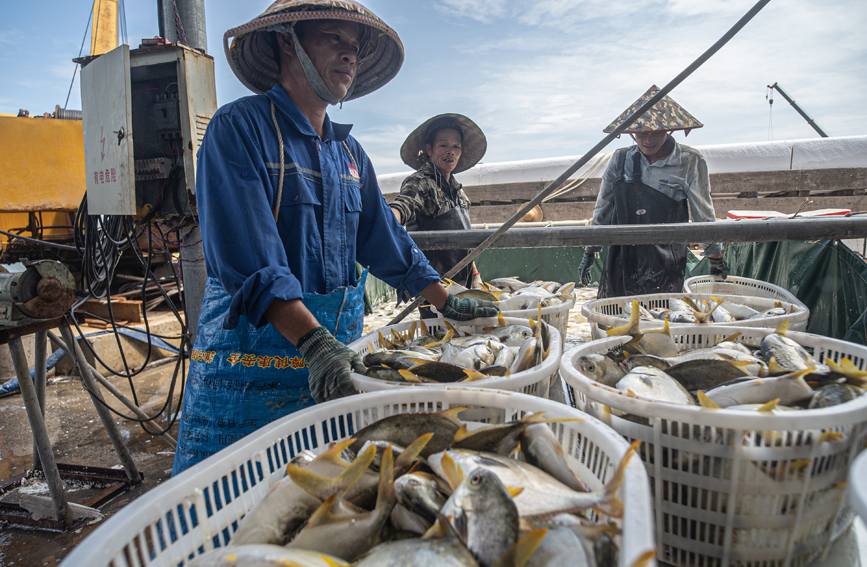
123, 309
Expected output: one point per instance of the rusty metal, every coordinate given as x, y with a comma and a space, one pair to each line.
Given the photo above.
9, 333
114, 481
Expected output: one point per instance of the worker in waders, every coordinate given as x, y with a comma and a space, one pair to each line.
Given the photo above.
288, 202
431, 198
656, 181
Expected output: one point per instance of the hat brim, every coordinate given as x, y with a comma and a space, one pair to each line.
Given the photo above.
664, 116
473, 148
252, 57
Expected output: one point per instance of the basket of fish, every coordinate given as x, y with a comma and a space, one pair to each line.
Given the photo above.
748, 434
736, 285
522, 300
519, 355
656, 310
412, 477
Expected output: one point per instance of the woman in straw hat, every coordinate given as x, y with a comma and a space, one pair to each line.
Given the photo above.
655, 181
288, 202
431, 198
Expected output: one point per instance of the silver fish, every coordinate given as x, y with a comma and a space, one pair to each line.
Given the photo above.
395, 359
773, 312
541, 449
511, 284
420, 495
601, 368
512, 335
738, 310
473, 357
562, 546
524, 358
788, 355
653, 383
441, 552
789, 389
682, 317
265, 555
835, 394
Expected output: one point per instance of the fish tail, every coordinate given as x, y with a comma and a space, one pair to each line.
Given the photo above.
519, 554
852, 372
774, 366
706, 402
782, 327
410, 376
770, 406
322, 487
645, 559
610, 505
423, 328
333, 561
333, 453
386, 496
411, 333
408, 456
453, 473
730, 338
631, 328
442, 527
473, 376
452, 414
665, 330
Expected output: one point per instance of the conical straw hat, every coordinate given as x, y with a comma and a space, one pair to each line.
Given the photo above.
253, 59
664, 115
473, 146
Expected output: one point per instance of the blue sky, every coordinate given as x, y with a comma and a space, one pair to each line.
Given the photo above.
541, 78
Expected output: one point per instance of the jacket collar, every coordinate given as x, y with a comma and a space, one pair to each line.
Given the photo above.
331, 130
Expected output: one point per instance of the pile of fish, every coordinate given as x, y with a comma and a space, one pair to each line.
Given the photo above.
776, 375
453, 356
511, 294
687, 310
422, 489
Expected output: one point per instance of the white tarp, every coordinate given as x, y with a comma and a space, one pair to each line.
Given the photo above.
814, 153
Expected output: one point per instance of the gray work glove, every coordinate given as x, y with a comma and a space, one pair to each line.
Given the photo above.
718, 267
330, 363
466, 309
585, 266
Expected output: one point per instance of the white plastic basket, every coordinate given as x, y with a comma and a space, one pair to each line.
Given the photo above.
858, 485
735, 285
557, 316
608, 313
535, 381
198, 510
706, 514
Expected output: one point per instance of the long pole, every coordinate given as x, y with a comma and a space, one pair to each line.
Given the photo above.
631, 235
554, 185
801, 111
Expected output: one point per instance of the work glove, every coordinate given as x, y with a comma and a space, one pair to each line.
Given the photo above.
466, 309
477, 281
330, 363
585, 266
718, 267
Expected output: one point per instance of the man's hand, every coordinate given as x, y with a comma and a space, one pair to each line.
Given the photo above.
585, 266
718, 266
466, 309
330, 363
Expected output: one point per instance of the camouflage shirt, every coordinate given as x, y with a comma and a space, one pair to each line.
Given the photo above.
427, 192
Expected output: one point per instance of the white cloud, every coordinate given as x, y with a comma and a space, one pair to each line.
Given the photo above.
479, 10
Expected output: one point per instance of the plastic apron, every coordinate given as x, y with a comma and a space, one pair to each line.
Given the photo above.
244, 378
636, 270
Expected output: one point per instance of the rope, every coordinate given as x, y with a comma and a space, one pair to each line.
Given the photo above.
280, 175
80, 50
179, 27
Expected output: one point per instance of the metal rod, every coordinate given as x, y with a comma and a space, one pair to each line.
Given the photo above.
195, 277
554, 185
113, 389
37, 425
630, 235
104, 414
800, 110
40, 356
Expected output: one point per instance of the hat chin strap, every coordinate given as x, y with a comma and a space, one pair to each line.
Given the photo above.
313, 76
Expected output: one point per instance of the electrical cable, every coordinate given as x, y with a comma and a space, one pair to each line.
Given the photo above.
42, 242
80, 50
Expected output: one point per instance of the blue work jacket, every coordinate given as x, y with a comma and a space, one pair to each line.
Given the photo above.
332, 212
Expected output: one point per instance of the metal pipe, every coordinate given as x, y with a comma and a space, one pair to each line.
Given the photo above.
40, 356
630, 235
104, 414
801, 111
190, 18
37, 425
195, 276
113, 389
554, 185
486, 225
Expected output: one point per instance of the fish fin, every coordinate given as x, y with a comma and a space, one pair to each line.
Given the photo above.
333, 453
451, 330
730, 338
333, 561
473, 376
610, 505
691, 303
840, 484
409, 455
782, 327
799, 464
425, 475
774, 367
524, 526
516, 452
830, 436
385, 343
769, 407
514, 490
323, 514
410, 376
850, 370
461, 434
386, 496
321, 486
634, 343
442, 527
422, 327
452, 414
539, 315
418, 361
501, 320
411, 333
706, 402
630, 328
645, 559
631, 393
835, 368
451, 470
799, 374
519, 554
742, 364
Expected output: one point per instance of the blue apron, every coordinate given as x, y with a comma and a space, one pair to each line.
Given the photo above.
244, 378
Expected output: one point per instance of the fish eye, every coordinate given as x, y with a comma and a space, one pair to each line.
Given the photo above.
590, 368
476, 479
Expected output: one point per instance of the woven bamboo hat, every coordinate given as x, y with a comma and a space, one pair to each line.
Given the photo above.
253, 59
664, 115
473, 145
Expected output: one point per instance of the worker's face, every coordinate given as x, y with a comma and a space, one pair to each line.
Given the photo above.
332, 46
650, 143
445, 151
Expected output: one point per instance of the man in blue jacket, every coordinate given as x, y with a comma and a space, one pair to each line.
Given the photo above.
288, 202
